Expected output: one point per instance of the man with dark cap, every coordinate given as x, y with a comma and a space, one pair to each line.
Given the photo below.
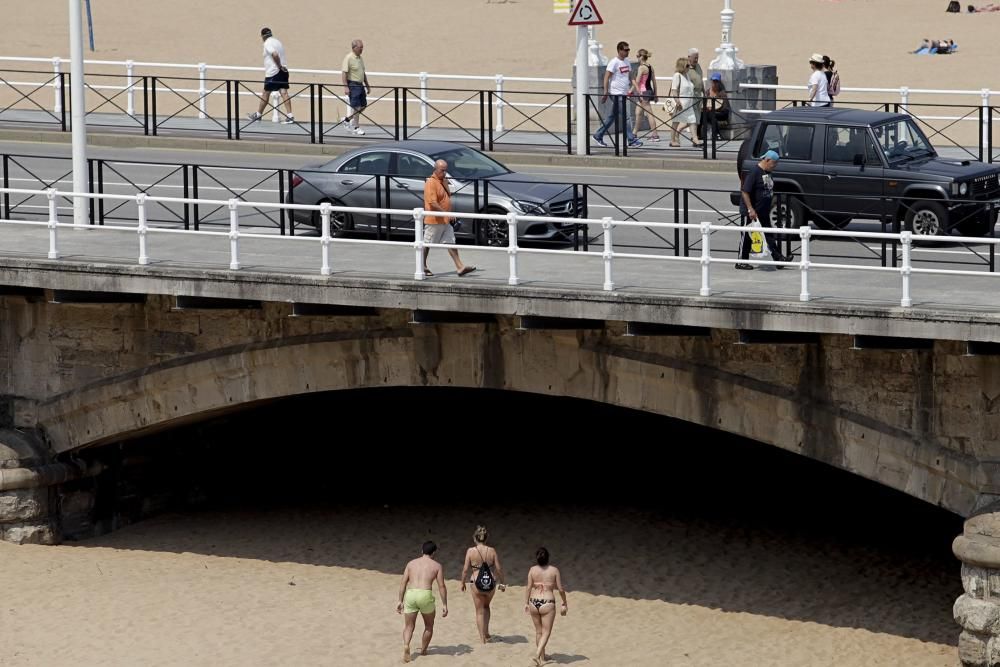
756, 194
275, 76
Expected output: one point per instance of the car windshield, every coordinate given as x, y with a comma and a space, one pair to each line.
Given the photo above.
902, 139
468, 163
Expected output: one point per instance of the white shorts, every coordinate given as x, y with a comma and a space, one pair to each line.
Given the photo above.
439, 234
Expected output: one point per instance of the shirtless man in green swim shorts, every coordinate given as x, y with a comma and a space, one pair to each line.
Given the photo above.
416, 596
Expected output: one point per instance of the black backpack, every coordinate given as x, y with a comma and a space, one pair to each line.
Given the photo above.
484, 580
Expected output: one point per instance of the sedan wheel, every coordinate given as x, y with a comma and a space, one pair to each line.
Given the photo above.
339, 222
493, 232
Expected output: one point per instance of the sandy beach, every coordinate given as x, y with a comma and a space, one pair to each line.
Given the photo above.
869, 39
317, 587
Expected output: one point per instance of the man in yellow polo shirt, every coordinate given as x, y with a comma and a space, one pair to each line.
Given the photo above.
355, 85
437, 228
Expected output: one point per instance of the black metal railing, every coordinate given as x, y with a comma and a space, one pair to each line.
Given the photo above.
161, 105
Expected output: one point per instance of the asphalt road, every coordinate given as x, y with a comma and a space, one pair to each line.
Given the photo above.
645, 195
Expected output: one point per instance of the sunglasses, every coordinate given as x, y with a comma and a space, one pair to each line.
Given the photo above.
626, 49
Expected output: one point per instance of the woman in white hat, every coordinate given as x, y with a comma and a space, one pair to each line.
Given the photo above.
819, 94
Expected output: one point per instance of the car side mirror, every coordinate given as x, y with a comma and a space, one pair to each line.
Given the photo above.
859, 160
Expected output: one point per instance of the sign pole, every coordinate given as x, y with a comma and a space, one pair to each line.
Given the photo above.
582, 79
584, 14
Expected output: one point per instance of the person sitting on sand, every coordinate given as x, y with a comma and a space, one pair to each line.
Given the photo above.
540, 602
487, 578
417, 596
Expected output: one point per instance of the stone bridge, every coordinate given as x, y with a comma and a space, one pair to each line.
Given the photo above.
96, 354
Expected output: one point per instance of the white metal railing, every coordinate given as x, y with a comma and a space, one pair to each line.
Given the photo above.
609, 256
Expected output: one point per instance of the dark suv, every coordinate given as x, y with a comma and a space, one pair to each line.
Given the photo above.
838, 164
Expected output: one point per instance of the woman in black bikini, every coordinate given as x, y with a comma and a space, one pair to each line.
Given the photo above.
540, 602
474, 558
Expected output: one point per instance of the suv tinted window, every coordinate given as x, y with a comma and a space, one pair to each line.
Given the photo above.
376, 163
792, 142
843, 143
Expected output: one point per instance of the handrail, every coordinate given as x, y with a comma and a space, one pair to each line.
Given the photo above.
608, 257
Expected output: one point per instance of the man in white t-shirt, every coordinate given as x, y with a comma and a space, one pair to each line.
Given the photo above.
618, 81
819, 94
275, 76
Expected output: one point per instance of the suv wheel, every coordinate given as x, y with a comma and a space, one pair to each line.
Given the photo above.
927, 217
790, 213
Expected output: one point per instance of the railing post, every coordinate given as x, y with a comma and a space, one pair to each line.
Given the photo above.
140, 202
423, 99
324, 216
53, 224
500, 103
202, 69
906, 237
512, 279
129, 94
56, 88
706, 260
234, 235
904, 99
984, 146
418, 242
609, 253
805, 233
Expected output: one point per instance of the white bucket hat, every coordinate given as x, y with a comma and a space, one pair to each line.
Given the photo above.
816, 58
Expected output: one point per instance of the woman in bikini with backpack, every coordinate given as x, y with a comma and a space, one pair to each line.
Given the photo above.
486, 578
540, 601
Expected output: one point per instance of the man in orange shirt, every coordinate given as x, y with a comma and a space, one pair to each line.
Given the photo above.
436, 227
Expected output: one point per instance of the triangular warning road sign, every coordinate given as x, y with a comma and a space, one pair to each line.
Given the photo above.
585, 14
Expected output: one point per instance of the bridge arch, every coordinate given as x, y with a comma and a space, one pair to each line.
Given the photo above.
683, 378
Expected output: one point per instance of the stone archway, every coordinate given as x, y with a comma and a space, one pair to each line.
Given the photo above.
745, 392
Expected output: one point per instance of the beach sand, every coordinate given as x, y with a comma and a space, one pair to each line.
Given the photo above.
869, 39
312, 586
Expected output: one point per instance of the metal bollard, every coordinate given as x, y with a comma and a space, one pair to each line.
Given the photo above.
608, 254
418, 244
805, 233
53, 224
56, 86
234, 235
906, 238
275, 103
512, 279
130, 93
500, 104
324, 215
202, 91
706, 260
140, 202
904, 99
423, 99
